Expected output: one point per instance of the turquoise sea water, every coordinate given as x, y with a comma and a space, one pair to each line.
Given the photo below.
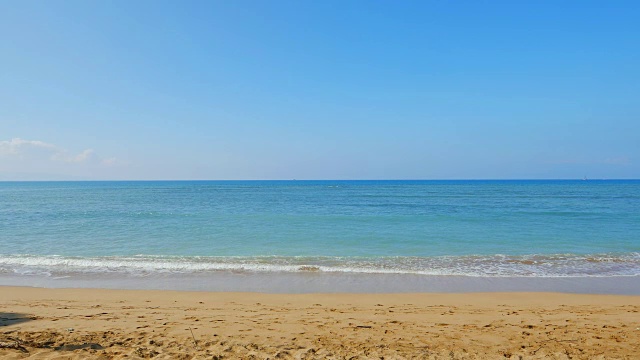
438, 228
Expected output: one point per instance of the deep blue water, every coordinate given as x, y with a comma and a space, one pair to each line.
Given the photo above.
478, 228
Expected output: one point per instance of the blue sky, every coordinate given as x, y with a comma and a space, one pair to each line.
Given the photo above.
319, 89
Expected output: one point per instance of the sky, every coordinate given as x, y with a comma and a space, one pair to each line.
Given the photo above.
142, 90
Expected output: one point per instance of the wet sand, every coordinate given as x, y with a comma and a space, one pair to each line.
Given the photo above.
112, 324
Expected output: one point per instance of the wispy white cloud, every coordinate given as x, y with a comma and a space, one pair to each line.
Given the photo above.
22, 148
16, 146
70, 158
109, 161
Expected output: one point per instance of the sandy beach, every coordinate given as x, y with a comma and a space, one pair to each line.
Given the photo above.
112, 324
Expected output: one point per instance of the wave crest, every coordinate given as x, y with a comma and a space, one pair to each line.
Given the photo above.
555, 265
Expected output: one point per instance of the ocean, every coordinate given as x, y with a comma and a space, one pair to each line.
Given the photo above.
323, 236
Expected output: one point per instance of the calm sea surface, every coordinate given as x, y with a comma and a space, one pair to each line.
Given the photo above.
429, 228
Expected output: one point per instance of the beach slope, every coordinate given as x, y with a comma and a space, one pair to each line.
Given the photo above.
105, 324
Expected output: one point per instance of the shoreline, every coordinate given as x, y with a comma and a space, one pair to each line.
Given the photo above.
318, 282
103, 323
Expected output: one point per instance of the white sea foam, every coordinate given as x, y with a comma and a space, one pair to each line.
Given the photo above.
556, 265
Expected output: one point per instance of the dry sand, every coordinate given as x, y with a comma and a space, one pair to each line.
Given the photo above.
107, 324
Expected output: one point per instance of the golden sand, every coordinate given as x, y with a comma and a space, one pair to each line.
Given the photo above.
114, 324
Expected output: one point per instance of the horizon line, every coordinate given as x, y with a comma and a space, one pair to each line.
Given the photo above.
448, 179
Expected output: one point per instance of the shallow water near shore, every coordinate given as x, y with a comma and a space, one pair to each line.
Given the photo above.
307, 236
296, 283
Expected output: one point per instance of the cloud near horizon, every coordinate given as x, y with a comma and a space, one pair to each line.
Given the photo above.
17, 147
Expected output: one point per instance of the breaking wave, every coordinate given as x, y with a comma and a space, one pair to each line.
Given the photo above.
556, 265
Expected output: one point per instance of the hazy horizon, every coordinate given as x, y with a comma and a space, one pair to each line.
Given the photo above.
326, 180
